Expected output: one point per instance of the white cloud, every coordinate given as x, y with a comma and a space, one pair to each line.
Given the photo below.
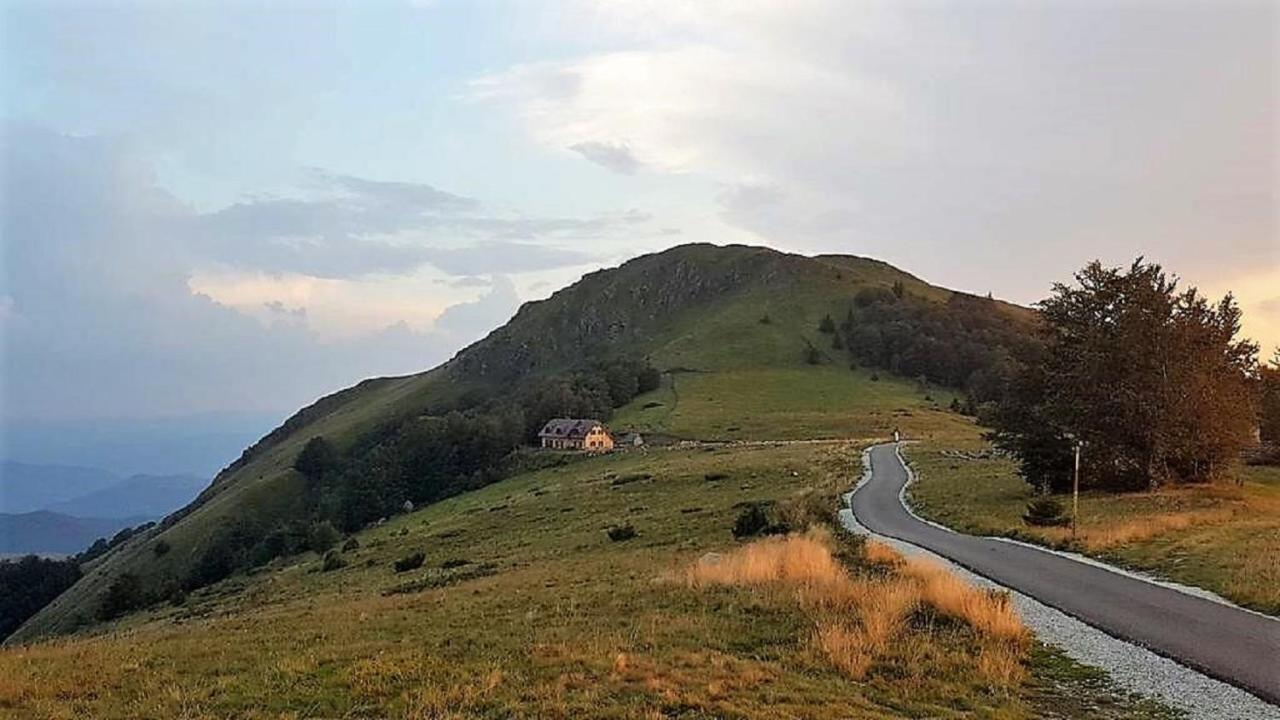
984, 147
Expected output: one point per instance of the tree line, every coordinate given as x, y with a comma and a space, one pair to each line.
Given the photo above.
1152, 380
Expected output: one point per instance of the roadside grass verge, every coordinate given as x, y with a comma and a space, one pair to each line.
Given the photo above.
1224, 538
523, 607
860, 622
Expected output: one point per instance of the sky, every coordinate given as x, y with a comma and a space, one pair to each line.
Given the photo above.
240, 207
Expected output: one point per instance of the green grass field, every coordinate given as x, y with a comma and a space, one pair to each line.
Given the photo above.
804, 402
525, 608
1222, 538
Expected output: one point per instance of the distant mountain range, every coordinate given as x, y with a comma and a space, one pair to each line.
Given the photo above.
59, 509
48, 533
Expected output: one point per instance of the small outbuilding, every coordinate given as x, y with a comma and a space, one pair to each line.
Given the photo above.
575, 434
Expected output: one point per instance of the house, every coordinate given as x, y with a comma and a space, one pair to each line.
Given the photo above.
634, 439
575, 434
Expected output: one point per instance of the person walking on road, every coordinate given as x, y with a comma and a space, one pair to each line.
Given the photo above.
896, 435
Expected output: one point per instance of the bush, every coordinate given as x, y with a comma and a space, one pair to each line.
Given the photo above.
827, 325
714, 476
410, 562
123, 595
618, 533
332, 561
1046, 512
160, 548
752, 521
322, 536
317, 457
351, 544
813, 355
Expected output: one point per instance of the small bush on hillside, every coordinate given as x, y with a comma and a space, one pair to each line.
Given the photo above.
322, 536
875, 377
764, 320
836, 342
1046, 512
160, 548
410, 562
752, 521
351, 544
332, 561
714, 476
813, 355
317, 457
827, 325
618, 533
123, 595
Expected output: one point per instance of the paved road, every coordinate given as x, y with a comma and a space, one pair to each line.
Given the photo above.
1232, 645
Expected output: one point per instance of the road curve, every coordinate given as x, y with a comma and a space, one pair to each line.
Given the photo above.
1227, 643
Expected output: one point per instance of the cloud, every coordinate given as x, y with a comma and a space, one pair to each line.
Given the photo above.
353, 227
490, 310
1025, 140
610, 156
101, 318
505, 257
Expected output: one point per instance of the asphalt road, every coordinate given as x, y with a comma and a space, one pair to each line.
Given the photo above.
1232, 645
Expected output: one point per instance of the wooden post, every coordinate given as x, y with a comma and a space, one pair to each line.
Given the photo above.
1075, 494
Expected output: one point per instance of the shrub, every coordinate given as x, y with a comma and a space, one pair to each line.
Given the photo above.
751, 521
351, 544
714, 476
618, 533
813, 355
160, 548
764, 320
410, 562
123, 595
322, 536
1045, 512
332, 561
827, 325
317, 457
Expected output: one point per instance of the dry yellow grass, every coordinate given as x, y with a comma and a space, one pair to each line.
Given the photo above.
857, 620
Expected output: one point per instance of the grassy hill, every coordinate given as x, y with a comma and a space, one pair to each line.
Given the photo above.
524, 607
734, 328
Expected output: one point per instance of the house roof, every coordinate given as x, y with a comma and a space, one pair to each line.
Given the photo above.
568, 427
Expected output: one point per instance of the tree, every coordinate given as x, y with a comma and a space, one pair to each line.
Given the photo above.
317, 458
28, 584
123, 595
1269, 410
322, 536
1151, 377
827, 325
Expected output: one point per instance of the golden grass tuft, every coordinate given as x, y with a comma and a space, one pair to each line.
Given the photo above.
989, 612
880, 553
857, 620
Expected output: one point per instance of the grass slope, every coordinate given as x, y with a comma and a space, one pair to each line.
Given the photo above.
695, 307
525, 608
1221, 538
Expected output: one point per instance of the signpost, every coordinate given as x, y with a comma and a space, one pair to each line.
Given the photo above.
1075, 492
